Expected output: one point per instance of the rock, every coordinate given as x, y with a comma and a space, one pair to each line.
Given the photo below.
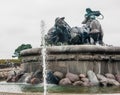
18, 76
111, 76
72, 77
101, 77
65, 81
58, 74
103, 83
92, 77
35, 81
9, 79
77, 83
38, 74
26, 78
112, 82
86, 84
102, 80
85, 79
11, 76
11, 73
5, 75
82, 76
52, 79
117, 77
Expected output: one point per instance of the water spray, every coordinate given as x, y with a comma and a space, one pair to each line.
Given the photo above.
43, 52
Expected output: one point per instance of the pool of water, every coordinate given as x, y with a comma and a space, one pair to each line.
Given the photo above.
17, 87
24, 87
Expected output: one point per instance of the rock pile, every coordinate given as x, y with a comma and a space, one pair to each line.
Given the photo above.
21, 76
90, 79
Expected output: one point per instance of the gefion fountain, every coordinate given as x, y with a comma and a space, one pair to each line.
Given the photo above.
77, 61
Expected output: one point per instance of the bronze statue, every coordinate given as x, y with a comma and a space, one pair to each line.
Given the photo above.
62, 33
94, 26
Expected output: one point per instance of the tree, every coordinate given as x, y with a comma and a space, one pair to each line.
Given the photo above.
20, 48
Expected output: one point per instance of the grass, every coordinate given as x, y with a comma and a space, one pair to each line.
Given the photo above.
4, 61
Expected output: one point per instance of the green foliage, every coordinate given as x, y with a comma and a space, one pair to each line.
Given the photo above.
20, 48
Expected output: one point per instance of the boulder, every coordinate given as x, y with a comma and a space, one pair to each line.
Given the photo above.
38, 74
58, 74
110, 76
101, 77
18, 76
85, 79
92, 77
102, 80
11, 76
5, 74
77, 83
82, 76
26, 78
103, 83
112, 82
65, 81
117, 77
72, 77
34, 81
86, 84
52, 79
9, 79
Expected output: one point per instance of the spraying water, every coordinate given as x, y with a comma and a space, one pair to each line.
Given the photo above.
44, 56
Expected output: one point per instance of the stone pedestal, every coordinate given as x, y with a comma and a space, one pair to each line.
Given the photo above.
75, 59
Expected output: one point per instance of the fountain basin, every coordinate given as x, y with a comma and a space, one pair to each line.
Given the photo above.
74, 58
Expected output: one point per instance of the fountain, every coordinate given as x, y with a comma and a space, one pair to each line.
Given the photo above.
73, 64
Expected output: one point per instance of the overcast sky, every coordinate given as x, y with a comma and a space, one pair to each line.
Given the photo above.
20, 20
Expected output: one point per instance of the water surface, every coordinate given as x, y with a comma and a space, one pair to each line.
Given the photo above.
25, 87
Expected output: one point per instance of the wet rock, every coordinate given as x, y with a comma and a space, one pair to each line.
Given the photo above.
52, 79
85, 79
38, 74
58, 74
77, 83
101, 77
102, 80
35, 81
103, 83
72, 77
112, 82
11, 75
3, 75
9, 79
111, 76
92, 77
65, 81
26, 78
82, 76
117, 77
85, 84
19, 75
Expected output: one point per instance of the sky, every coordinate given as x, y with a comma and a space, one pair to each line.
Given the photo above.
20, 20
